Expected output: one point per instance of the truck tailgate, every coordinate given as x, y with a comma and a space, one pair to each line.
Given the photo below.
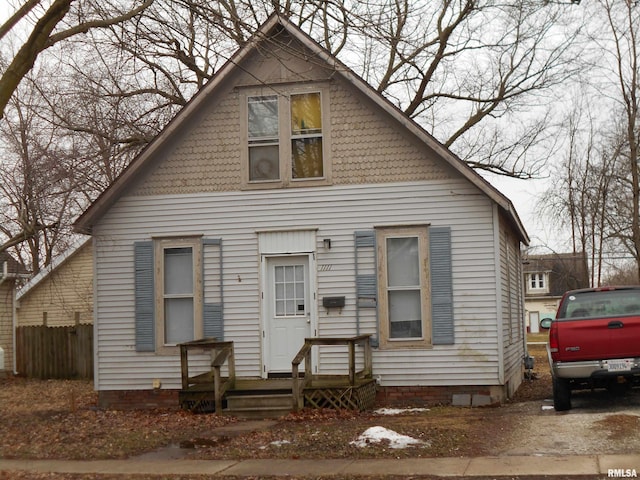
624, 336
583, 340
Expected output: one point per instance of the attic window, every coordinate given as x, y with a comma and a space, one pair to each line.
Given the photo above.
537, 282
286, 140
264, 156
306, 136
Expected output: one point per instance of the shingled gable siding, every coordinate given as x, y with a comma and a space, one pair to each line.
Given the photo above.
365, 148
336, 213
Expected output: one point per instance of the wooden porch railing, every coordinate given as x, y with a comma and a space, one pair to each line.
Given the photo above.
221, 353
299, 384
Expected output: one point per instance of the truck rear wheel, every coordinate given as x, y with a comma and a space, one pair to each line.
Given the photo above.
561, 394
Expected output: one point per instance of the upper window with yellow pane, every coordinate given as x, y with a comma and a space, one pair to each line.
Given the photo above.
286, 141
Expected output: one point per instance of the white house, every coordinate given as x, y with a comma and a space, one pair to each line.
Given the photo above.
289, 200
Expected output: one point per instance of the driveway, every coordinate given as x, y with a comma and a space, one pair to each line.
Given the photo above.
598, 423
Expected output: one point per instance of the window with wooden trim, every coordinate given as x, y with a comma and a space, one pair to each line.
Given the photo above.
405, 304
263, 138
537, 282
178, 292
286, 142
306, 136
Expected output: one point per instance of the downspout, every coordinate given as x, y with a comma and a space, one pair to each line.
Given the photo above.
14, 328
499, 312
14, 320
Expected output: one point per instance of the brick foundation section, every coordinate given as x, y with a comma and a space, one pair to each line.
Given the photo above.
429, 396
385, 396
137, 399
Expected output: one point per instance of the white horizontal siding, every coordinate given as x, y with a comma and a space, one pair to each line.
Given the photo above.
332, 212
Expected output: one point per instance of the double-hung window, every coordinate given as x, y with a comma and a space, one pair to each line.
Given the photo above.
179, 299
404, 287
263, 135
537, 282
286, 140
306, 136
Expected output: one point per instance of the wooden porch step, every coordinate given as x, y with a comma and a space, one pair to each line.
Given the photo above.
259, 405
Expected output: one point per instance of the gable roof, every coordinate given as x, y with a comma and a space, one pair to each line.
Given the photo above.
52, 267
567, 271
272, 26
10, 267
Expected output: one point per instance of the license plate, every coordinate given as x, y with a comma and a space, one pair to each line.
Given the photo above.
622, 365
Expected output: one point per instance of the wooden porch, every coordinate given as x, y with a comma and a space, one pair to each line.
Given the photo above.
214, 392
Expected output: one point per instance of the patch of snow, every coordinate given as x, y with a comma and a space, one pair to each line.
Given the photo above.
399, 411
547, 407
276, 443
379, 434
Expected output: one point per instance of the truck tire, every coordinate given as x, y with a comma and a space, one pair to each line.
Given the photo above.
561, 394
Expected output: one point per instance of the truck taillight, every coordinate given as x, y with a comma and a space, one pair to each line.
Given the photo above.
553, 337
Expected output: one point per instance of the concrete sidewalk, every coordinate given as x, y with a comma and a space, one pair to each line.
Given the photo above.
607, 465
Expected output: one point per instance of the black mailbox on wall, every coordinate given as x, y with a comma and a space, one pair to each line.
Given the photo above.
333, 302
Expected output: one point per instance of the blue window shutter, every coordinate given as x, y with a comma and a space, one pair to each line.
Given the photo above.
144, 297
213, 308
441, 286
366, 279
213, 325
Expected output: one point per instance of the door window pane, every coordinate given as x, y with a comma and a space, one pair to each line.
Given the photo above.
289, 290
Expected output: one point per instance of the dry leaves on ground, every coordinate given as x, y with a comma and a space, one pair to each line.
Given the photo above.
59, 419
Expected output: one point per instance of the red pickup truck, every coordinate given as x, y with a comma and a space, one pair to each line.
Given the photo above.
594, 342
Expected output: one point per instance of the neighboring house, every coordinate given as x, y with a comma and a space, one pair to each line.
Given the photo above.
288, 200
61, 294
546, 278
10, 274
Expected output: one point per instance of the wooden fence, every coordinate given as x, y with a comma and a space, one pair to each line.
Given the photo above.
55, 352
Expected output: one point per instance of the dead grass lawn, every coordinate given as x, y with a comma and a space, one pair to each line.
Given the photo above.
59, 420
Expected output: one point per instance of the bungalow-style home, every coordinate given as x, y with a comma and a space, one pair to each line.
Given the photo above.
61, 294
10, 274
546, 278
288, 200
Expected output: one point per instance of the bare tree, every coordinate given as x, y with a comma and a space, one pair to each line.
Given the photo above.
461, 68
44, 34
598, 189
619, 43
37, 181
573, 200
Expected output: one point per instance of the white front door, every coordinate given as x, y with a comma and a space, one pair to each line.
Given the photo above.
287, 309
